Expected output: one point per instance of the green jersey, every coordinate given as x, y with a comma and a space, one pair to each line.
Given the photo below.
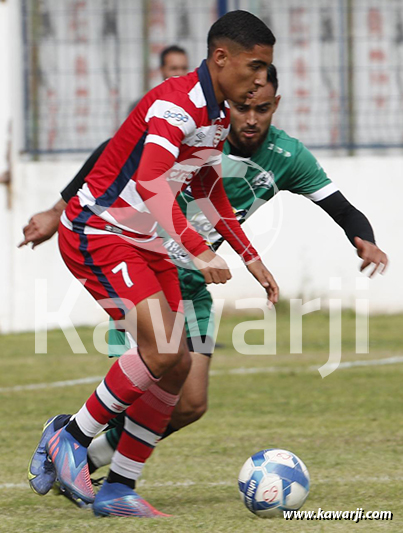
282, 163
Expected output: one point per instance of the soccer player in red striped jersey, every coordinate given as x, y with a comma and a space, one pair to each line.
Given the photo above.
108, 240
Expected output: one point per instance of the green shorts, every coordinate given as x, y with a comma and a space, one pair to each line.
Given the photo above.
199, 317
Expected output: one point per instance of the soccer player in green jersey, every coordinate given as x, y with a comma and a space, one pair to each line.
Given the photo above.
273, 161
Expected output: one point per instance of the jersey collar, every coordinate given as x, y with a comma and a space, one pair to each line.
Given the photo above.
214, 110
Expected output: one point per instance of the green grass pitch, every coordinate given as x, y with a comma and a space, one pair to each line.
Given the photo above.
347, 429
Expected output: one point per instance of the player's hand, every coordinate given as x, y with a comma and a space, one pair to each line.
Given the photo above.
265, 278
42, 226
371, 254
213, 267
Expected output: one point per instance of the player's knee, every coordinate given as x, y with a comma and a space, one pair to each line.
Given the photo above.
181, 365
184, 359
174, 367
178, 354
168, 359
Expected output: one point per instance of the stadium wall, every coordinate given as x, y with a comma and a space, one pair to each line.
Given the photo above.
308, 248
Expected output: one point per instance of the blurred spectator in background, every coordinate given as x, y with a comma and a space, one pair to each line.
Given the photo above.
173, 62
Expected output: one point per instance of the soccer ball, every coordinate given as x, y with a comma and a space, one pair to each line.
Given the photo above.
273, 481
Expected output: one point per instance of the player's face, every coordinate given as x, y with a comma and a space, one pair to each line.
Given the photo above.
176, 64
250, 121
244, 71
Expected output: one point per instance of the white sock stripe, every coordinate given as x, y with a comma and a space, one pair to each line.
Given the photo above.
141, 433
126, 467
114, 395
164, 396
109, 400
100, 451
87, 423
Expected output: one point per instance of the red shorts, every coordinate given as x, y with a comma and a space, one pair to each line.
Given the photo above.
119, 273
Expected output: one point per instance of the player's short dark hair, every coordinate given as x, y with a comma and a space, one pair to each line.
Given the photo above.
242, 28
272, 77
173, 49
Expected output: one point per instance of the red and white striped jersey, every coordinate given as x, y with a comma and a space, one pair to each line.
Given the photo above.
176, 132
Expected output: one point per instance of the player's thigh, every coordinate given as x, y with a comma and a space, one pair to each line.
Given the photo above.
155, 327
113, 271
131, 282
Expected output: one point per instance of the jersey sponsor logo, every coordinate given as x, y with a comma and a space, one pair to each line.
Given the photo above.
176, 252
175, 116
182, 173
264, 180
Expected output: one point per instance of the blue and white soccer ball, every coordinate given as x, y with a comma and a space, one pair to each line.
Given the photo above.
273, 481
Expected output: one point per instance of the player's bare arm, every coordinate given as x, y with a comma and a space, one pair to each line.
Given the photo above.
265, 278
42, 226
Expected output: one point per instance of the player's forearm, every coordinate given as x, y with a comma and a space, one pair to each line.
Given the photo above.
59, 207
78, 181
353, 222
356, 224
220, 213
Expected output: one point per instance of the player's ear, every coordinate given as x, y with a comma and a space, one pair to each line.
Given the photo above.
277, 102
220, 56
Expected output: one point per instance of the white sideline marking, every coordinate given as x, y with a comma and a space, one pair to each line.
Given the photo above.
235, 371
141, 483
53, 385
368, 362
312, 368
190, 483
14, 485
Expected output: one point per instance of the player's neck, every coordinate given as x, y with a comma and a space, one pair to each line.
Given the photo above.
236, 149
220, 97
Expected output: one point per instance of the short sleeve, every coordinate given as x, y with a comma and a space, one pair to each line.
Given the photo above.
308, 177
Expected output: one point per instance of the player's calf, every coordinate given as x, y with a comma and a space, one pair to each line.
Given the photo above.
187, 412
